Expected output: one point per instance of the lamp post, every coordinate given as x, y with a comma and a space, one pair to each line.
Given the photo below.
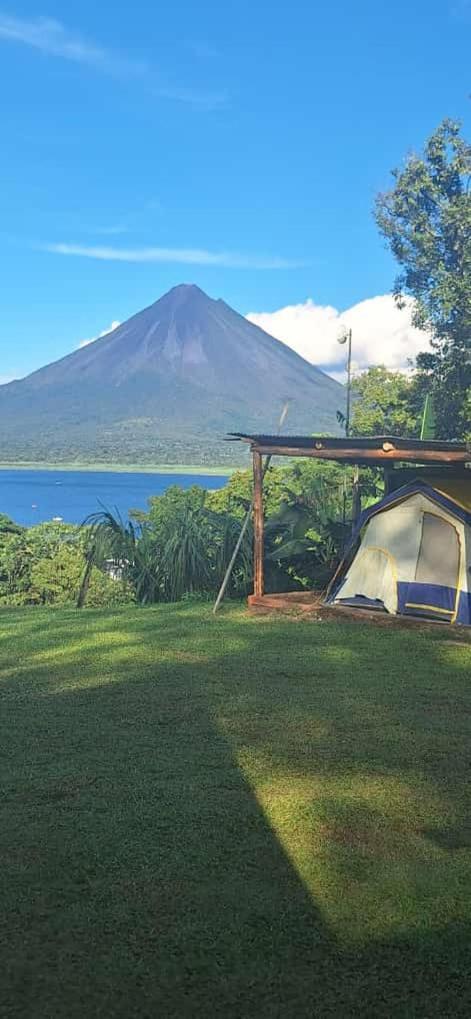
346, 337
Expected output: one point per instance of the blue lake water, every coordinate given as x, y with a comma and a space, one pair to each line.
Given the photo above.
30, 497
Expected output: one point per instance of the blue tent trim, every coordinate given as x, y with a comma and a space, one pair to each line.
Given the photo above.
416, 599
463, 615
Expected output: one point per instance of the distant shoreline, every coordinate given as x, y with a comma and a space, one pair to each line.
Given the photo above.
119, 468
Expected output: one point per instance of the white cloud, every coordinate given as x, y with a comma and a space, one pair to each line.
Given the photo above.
183, 256
52, 37
7, 378
382, 334
104, 332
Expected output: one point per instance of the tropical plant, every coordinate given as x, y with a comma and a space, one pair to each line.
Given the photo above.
307, 536
112, 544
179, 548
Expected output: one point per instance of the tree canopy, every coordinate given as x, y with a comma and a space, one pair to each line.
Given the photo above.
385, 403
426, 220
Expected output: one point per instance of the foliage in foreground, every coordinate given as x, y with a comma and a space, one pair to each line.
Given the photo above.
181, 547
44, 565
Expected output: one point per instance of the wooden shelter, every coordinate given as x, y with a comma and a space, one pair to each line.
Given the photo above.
384, 451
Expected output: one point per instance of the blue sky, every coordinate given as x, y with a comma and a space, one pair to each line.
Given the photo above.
236, 146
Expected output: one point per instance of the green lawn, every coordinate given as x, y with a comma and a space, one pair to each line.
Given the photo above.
235, 817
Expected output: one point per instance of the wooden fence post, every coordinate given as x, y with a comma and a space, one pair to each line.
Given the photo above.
258, 523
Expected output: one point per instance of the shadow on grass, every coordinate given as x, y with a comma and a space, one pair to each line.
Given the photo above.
141, 874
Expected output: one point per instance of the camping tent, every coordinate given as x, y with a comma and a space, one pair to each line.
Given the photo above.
411, 553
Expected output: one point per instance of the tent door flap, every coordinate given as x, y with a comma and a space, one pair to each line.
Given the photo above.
434, 589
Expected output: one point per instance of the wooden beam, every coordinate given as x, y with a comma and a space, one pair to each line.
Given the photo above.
377, 456
258, 523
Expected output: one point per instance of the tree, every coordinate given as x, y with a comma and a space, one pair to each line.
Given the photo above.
22, 548
426, 220
44, 565
236, 496
55, 580
386, 403
8, 526
467, 416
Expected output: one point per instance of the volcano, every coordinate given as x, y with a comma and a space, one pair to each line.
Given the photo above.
165, 387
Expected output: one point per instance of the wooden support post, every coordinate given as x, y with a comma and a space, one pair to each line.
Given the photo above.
258, 523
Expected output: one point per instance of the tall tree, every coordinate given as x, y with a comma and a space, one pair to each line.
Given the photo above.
426, 220
386, 403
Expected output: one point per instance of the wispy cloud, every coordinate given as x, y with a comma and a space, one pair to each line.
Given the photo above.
182, 256
52, 37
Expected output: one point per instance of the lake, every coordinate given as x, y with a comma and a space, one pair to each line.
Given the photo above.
30, 497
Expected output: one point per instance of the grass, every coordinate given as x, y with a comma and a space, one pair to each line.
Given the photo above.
234, 817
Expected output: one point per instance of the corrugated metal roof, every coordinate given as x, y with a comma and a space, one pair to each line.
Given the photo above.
353, 442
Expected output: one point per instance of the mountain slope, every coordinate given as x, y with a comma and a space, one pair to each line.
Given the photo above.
165, 386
